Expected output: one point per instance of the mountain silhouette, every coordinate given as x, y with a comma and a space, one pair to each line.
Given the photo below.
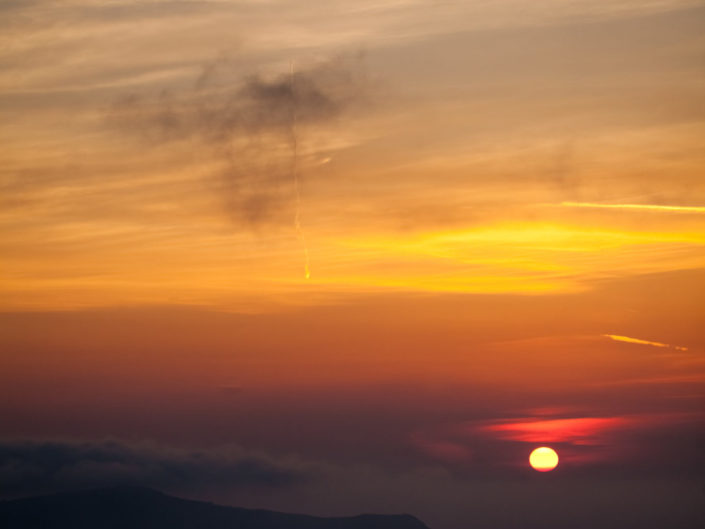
141, 508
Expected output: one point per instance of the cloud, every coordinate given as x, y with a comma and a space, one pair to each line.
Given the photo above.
30, 467
583, 430
627, 339
252, 126
588, 445
645, 207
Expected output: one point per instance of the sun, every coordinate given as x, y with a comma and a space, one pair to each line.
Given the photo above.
543, 459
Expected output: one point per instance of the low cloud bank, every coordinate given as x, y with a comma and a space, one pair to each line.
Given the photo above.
32, 467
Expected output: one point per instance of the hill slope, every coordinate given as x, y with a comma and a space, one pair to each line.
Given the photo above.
139, 508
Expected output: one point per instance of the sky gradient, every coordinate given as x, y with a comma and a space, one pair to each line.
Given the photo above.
350, 257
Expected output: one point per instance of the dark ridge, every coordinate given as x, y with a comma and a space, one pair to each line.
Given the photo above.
143, 508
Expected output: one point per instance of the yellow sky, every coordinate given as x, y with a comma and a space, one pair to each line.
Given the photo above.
468, 152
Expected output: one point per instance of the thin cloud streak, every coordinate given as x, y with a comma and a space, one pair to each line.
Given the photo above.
583, 430
646, 207
627, 339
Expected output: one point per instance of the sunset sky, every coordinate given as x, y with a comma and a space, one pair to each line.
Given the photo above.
336, 257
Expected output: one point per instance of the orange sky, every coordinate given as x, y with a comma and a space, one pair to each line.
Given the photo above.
503, 217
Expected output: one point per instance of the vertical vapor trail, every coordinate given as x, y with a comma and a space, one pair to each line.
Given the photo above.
295, 176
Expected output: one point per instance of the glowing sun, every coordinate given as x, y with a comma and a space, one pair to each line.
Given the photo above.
543, 459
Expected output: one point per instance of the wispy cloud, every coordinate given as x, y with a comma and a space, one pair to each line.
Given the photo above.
254, 127
627, 339
646, 207
583, 430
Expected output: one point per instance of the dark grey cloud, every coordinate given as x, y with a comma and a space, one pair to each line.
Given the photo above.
31, 467
252, 126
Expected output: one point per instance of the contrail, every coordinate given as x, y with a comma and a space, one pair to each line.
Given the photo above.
649, 207
627, 339
295, 175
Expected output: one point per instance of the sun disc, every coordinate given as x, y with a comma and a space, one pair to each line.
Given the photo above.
543, 459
